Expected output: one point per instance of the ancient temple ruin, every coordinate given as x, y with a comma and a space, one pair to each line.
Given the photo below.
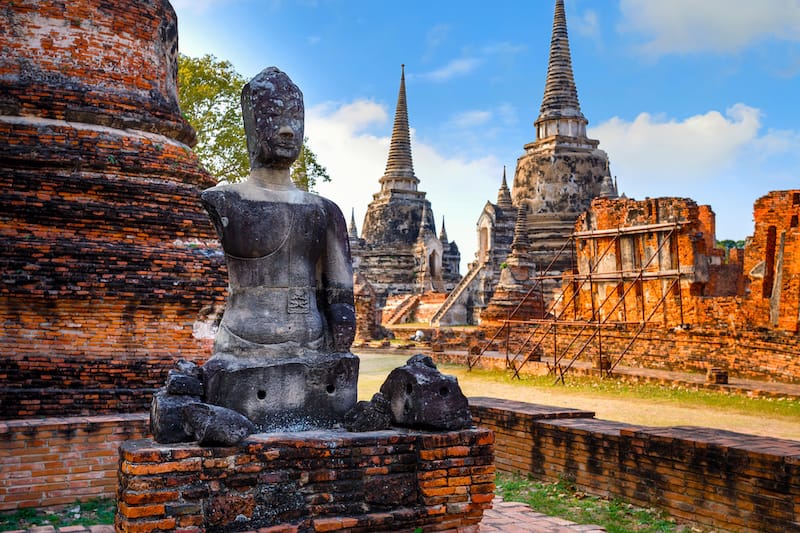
110, 266
399, 253
556, 179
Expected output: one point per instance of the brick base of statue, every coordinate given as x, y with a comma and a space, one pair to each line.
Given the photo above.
310, 481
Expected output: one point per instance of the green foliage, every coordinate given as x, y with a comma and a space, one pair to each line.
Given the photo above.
307, 171
91, 512
563, 500
209, 91
728, 244
676, 393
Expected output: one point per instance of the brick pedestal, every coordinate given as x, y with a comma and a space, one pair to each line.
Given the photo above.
309, 482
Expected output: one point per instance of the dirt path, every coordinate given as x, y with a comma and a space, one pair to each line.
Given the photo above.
375, 368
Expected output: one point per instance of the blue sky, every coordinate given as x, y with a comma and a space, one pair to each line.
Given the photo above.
689, 99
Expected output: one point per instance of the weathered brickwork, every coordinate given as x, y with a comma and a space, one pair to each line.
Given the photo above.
92, 61
644, 260
312, 481
110, 267
716, 478
743, 353
56, 461
772, 260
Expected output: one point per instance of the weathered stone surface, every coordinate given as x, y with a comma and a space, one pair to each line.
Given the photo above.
422, 397
373, 415
281, 354
167, 420
399, 252
181, 384
290, 394
212, 425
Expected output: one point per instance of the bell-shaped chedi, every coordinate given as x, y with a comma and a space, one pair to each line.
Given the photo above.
562, 170
110, 267
399, 253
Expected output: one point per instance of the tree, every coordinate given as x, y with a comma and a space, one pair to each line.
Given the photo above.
306, 171
209, 91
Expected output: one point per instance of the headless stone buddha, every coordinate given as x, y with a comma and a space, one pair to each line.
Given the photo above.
281, 354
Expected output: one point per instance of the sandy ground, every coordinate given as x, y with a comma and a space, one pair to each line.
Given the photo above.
375, 368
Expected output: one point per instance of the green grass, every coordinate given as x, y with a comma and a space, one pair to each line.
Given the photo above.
564, 501
88, 513
677, 393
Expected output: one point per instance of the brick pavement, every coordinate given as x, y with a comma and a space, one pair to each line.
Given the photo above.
504, 517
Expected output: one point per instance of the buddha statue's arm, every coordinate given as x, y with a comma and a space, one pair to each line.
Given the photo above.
337, 281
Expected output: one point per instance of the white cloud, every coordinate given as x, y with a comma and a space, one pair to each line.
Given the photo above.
686, 26
454, 69
587, 24
725, 161
437, 35
457, 187
468, 119
665, 149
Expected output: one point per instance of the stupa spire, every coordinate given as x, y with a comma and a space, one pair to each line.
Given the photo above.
353, 231
443, 233
560, 93
504, 195
399, 172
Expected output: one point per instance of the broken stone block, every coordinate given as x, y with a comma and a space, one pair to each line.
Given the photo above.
374, 415
166, 417
421, 397
212, 425
293, 394
183, 385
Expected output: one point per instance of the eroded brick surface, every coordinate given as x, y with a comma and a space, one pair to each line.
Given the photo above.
110, 267
312, 481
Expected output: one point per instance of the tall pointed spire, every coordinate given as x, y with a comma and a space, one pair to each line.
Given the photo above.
426, 224
504, 195
520, 242
353, 231
560, 113
399, 172
443, 233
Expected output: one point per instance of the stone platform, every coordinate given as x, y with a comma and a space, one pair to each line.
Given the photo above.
310, 481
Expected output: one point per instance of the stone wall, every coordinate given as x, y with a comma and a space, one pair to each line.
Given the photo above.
110, 267
716, 478
55, 461
311, 481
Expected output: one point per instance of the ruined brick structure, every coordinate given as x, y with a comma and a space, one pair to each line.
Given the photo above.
555, 180
643, 260
398, 252
111, 269
314, 481
651, 289
772, 260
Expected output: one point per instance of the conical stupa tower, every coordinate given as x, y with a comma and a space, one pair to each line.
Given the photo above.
562, 170
399, 230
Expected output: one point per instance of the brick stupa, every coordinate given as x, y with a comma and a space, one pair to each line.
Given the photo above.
111, 269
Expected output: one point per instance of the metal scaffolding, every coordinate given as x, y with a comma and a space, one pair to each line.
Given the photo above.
612, 312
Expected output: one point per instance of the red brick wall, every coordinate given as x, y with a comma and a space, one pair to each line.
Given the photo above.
110, 267
56, 461
744, 353
315, 481
712, 477
776, 225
